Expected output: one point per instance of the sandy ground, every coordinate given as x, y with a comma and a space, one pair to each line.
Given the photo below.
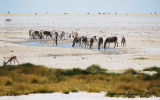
141, 32
71, 96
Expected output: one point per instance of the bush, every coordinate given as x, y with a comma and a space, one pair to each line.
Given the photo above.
157, 69
94, 69
43, 90
75, 71
156, 76
13, 92
73, 90
130, 71
93, 90
8, 83
27, 64
146, 77
149, 77
65, 91
34, 81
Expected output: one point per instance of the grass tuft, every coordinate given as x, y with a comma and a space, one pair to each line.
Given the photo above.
141, 58
44, 90
93, 90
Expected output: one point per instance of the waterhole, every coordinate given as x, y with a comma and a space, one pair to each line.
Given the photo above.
69, 45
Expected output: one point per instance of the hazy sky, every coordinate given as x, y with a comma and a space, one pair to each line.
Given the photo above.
80, 6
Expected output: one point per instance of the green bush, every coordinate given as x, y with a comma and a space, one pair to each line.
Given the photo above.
157, 69
44, 90
95, 69
34, 81
74, 90
130, 71
27, 64
8, 83
65, 91
74, 71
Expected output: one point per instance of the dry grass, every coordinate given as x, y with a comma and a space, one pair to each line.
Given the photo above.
141, 58
28, 78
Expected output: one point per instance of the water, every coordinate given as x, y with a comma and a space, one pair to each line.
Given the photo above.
69, 45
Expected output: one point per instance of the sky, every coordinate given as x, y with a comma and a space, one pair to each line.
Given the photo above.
79, 6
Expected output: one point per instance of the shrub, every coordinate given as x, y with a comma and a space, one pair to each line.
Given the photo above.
8, 83
93, 90
156, 76
154, 68
149, 77
146, 77
44, 90
74, 71
57, 78
131, 71
34, 81
74, 90
65, 91
12, 92
94, 69
27, 64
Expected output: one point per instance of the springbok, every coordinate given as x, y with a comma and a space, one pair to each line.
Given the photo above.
111, 40
12, 58
123, 41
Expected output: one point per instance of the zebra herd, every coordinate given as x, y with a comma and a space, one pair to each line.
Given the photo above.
81, 41
48, 34
88, 42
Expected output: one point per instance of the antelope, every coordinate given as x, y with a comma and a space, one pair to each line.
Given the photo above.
12, 58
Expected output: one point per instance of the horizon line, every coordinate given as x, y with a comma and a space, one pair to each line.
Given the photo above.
79, 14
